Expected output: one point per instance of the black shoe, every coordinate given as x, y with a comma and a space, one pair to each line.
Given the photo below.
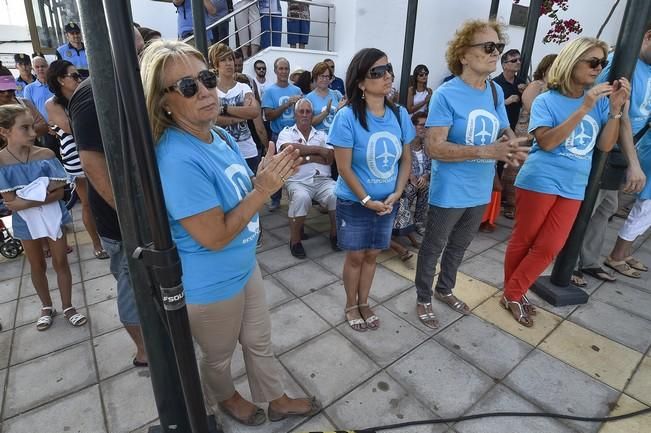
333, 243
297, 250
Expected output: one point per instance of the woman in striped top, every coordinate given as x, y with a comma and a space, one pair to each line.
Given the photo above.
63, 79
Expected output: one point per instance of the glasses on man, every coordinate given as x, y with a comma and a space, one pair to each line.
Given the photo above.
516, 60
75, 76
189, 86
260, 68
380, 71
490, 47
594, 62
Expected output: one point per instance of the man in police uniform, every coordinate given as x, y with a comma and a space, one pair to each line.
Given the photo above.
74, 51
24, 66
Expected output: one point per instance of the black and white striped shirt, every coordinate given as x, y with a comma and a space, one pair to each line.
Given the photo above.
69, 154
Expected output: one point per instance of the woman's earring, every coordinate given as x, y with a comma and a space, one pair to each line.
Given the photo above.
363, 94
169, 113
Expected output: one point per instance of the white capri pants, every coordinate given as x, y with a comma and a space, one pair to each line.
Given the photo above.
301, 194
245, 31
638, 221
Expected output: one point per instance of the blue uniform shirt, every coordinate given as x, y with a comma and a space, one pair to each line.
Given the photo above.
275, 96
376, 152
185, 22
21, 84
473, 120
197, 177
73, 55
320, 103
38, 93
338, 84
564, 170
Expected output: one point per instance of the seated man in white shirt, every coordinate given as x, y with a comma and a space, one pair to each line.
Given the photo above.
313, 180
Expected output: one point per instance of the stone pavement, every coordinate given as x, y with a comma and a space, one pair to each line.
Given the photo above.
590, 360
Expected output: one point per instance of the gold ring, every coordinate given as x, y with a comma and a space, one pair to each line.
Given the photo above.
510, 155
282, 178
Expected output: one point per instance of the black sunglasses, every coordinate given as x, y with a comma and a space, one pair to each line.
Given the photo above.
188, 86
490, 47
513, 60
594, 62
380, 71
261, 68
8, 91
423, 73
74, 76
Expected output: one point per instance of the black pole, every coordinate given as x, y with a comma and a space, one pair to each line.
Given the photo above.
627, 51
408, 50
199, 23
495, 5
162, 255
165, 378
529, 37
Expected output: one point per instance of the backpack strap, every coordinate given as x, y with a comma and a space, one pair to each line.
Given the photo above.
494, 92
637, 137
396, 110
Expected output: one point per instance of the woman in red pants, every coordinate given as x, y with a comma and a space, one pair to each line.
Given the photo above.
566, 122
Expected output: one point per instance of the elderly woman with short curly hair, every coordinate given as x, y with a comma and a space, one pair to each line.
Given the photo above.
468, 132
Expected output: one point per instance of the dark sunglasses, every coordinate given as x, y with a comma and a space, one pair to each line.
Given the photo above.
380, 71
423, 73
189, 86
594, 62
74, 76
513, 60
490, 47
261, 68
7, 91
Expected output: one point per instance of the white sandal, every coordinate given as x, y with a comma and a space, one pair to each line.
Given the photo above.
45, 321
76, 319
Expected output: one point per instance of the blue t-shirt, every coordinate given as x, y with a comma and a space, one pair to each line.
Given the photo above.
564, 170
185, 23
196, 177
275, 96
73, 55
338, 84
38, 93
320, 103
376, 152
473, 120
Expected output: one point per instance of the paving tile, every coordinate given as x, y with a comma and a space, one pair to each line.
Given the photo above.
613, 323
640, 385
388, 254
609, 362
94, 268
276, 293
114, 352
316, 423
484, 269
501, 233
329, 302
9, 290
29, 307
625, 404
53, 376
404, 305
11, 269
481, 243
317, 245
87, 252
484, 345
269, 242
27, 288
103, 317
556, 387
396, 265
3, 376
5, 350
329, 366
447, 383
626, 297
80, 412
294, 323
305, 278
278, 258
493, 312
100, 289
129, 400
472, 291
145, 428
8, 314
333, 262
319, 224
30, 343
394, 338
275, 220
381, 401
502, 399
387, 284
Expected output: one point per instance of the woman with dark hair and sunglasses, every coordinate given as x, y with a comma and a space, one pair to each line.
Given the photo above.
63, 79
418, 94
212, 206
468, 131
371, 138
567, 122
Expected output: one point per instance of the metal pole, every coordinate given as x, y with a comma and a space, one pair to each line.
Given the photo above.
495, 5
199, 23
162, 364
529, 37
408, 50
627, 51
162, 255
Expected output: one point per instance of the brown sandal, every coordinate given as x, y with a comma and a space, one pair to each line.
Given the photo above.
636, 264
453, 302
528, 306
520, 314
622, 267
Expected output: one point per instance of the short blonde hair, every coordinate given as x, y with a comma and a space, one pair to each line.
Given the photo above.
218, 52
559, 76
154, 60
462, 40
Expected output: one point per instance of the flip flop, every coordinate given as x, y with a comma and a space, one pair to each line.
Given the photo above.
137, 363
622, 267
577, 279
600, 274
101, 255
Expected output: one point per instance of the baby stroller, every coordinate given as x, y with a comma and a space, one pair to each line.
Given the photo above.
9, 247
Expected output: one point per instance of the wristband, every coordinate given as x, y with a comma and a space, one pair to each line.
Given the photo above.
365, 200
615, 116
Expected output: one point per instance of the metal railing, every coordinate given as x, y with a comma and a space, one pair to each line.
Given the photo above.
330, 22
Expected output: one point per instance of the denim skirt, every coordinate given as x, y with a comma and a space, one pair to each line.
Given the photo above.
360, 228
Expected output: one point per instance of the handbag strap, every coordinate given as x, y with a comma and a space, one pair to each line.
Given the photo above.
637, 137
494, 92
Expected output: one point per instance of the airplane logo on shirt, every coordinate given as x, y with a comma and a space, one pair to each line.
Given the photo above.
385, 156
239, 178
383, 151
482, 128
584, 137
483, 133
289, 112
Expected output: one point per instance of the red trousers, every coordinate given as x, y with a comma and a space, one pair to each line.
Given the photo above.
542, 224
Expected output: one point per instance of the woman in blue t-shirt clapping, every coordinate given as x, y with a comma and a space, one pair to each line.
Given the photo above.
212, 205
567, 122
326, 101
371, 138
